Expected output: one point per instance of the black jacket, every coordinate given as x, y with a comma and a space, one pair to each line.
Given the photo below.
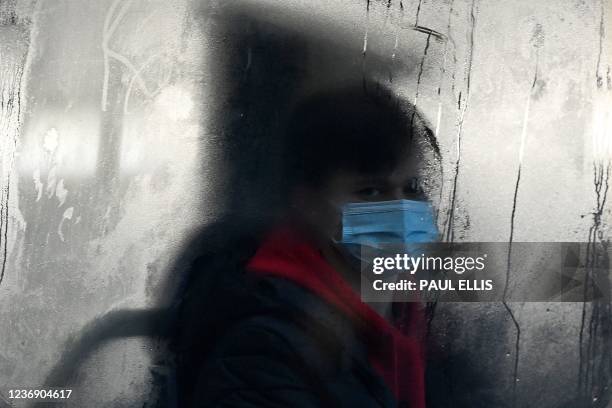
248, 341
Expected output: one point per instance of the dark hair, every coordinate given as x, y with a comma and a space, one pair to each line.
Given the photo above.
354, 129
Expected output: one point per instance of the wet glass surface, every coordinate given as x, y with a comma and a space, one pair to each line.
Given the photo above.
129, 126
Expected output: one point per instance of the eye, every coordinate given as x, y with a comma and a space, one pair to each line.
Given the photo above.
368, 193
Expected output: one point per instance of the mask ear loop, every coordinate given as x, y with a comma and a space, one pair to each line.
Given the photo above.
338, 245
340, 212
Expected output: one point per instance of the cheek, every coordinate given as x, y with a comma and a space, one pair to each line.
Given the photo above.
331, 222
337, 227
334, 218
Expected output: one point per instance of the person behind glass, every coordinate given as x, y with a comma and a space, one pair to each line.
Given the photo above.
288, 328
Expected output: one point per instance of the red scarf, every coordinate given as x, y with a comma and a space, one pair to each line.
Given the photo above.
396, 353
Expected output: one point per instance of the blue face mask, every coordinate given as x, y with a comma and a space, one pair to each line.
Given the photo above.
387, 222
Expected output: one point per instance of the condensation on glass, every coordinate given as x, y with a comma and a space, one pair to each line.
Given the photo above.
129, 126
